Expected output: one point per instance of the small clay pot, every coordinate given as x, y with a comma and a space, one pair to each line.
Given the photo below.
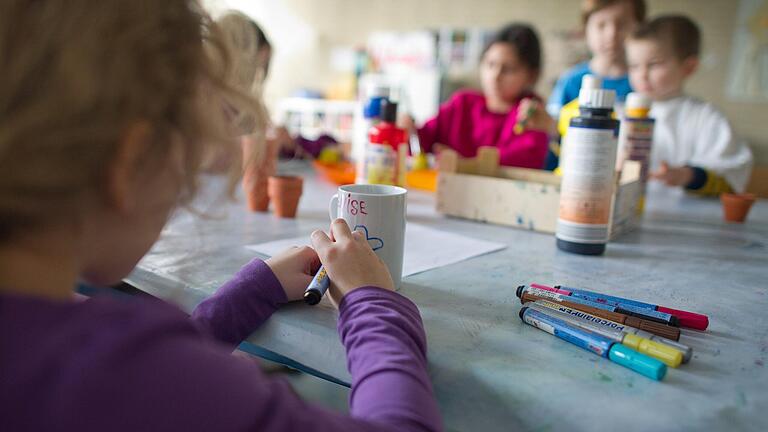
256, 194
256, 170
285, 191
736, 206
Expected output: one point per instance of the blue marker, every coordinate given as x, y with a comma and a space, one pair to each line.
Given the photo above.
586, 300
589, 318
317, 287
602, 298
598, 344
626, 306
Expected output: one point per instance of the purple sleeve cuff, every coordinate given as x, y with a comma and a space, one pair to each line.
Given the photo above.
241, 305
387, 351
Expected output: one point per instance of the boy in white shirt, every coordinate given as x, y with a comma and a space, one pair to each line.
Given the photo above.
694, 145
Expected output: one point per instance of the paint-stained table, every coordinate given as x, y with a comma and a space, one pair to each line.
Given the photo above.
490, 371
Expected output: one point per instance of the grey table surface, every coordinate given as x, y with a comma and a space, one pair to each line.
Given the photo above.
489, 370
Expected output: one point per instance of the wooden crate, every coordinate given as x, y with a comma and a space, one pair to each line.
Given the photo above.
481, 190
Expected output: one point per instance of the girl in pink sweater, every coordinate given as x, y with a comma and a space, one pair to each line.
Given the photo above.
509, 69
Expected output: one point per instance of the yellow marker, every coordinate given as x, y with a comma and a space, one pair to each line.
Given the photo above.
668, 355
664, 353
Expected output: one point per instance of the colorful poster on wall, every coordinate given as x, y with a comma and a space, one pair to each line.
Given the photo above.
748, 77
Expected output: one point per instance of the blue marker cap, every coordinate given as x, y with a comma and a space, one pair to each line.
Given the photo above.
317, 287
638, 362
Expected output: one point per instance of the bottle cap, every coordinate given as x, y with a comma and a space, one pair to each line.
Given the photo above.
592, 95
637, 105
380, 90
388, 111
638, 101
639, 363
372, 108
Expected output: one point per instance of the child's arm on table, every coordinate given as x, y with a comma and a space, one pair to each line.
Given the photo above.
241, 305
694, 179
386, 351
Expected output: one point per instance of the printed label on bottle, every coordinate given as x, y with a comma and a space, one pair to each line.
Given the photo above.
381, 164
586, 191
636, 141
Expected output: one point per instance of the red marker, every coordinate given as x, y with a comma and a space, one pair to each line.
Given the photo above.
686, 319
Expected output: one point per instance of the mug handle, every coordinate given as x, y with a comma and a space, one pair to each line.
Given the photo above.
333, 207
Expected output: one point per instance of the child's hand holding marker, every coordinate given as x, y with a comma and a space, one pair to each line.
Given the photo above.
349, 261
532, 116
294, 269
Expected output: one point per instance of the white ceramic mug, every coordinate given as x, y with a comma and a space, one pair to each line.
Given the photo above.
378, 211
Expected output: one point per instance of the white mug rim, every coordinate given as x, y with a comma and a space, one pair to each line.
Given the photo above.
394, 190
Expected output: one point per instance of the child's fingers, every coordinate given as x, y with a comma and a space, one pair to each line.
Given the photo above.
661, 173
320, 240
358, 236
309, 259
438, 147
340, 230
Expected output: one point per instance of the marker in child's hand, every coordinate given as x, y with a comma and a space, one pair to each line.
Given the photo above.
317, 287
522, 120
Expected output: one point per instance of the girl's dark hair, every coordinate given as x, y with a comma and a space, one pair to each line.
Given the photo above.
588, 7
524, 38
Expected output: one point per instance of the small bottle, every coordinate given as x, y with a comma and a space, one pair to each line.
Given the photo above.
371, 115
586, 191
636, 138
387, 149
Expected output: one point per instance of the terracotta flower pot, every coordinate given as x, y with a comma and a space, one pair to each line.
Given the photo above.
257, 167
285, 191
256, 193
736, 206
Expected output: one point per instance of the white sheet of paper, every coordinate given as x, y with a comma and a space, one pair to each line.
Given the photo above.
425, 248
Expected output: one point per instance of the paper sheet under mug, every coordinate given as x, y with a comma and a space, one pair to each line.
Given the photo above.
425, 248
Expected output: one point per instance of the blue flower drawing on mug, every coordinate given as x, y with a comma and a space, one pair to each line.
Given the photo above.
375, 242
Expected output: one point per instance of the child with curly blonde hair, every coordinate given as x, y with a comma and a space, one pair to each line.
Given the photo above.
107, 110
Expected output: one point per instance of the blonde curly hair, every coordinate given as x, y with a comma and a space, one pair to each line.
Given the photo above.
250, 51
74, 74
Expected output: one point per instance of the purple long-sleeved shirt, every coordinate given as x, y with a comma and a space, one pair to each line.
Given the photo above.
142, 365
465, 124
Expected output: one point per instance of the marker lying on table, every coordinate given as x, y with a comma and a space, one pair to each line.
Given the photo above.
686, 351
527, 294
669, 356
595, 343
687, 319
317, 287
646, 314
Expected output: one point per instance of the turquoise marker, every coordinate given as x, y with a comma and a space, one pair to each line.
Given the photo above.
589, 318
668, 355
317, 287
600, 345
